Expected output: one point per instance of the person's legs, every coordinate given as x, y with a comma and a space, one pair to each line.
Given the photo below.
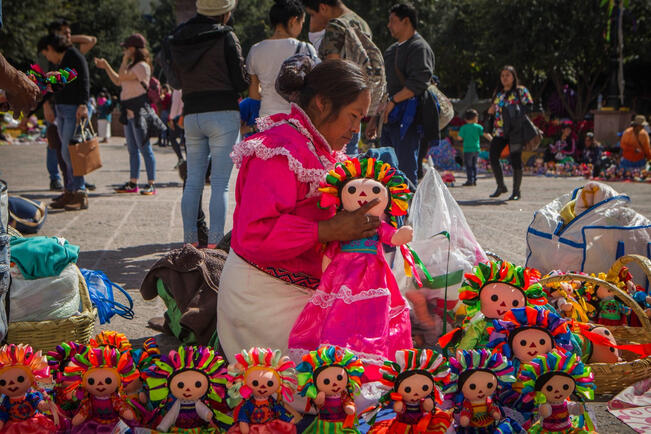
198, 153
406, 150
223, 131
467, 159
52, 165
496, 147
516, 163
132, 146
143, 144
66, 123
473, 166
352, 148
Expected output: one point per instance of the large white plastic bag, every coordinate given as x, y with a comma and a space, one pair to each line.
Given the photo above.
433, 210
44, 299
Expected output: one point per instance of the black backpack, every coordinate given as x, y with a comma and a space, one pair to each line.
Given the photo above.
164, 60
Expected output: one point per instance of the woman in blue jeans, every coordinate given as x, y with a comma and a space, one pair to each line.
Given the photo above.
133, 77
71, 108
209, 60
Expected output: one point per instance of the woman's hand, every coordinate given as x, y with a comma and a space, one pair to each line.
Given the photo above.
100, 62
82, 112
348, 226
492, 109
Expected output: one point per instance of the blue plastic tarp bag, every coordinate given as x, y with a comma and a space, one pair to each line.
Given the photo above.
26, 215
100, 289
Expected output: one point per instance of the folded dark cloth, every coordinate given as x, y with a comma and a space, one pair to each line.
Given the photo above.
39, 257
192, 278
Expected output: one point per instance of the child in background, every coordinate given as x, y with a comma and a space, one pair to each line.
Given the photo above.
104, 108
471, 132
249, 112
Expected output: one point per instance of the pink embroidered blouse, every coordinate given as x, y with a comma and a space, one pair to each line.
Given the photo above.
275, 223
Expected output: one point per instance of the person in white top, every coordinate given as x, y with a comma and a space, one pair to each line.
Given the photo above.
266, 57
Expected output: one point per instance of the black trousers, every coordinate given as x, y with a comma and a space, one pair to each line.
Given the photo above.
497, 145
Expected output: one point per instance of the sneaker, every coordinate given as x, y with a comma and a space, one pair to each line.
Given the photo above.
467, 184
127, 187
78, 202
55, 185
148, 190
90, 186
62, 200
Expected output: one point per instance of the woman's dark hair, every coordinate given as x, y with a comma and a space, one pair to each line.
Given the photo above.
58, 43
338, 81
284, 10
314, 4
516, 83
405, 10
141, 55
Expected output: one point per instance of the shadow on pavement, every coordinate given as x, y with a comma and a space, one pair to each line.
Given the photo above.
480, 202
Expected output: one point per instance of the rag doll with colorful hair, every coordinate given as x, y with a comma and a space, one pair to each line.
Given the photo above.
330, 377
489, 292
23, 405
549, 381
260, 382
413, 384
358, 304
67, 402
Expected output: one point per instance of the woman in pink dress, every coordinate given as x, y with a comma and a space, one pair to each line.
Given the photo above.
358, 304
274, 265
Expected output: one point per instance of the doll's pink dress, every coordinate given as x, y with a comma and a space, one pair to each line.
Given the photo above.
357, 305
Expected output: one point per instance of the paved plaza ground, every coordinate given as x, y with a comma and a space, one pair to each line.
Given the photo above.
123, 235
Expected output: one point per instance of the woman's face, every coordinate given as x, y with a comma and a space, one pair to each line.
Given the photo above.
506, 78
52, 55
295, 25
339, 130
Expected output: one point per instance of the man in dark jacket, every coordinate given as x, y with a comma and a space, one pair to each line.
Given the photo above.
208, 62
409, 66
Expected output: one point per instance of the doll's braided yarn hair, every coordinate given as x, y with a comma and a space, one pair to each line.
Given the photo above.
108, 338
467, 362
525, 279
537, 372
59, 358
266, 359
23, 355
144, 357
371, 168
88, 358
414, 361
515, 320
324, 357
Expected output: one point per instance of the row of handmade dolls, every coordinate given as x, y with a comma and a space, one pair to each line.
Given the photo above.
98, 385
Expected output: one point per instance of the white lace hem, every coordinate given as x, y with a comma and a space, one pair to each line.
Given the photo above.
325, 300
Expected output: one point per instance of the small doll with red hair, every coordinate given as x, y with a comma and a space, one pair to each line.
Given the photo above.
260, 382
413, 382
22, 407
102, 374
358, 304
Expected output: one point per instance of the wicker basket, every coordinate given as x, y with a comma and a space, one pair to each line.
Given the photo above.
611, 378
46, 335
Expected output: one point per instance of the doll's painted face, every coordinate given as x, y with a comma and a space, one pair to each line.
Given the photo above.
479, 386
15, 381
603, 292
189, 385
603, 353
332, 381
358, 192
558, 388
498, 298
415, 387
101, 381
530, 343
262, 382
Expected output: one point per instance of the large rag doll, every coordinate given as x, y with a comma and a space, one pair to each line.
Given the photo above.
358, 304
413, 382
549, 381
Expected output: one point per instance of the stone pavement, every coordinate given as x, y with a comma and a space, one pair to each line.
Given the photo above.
123, 235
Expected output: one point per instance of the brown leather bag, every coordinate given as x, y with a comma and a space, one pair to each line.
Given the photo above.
84, 150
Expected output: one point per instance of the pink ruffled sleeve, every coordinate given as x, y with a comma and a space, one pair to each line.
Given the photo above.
386, 231
268, 231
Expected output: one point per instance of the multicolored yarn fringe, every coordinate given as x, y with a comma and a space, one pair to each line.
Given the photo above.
88, 358
528, 317
144, 357
474, 360
112, 339
24, 355
329, 356
367, 168
501, 272
52, 79
563, 363
422, 360
59, 358
261, 358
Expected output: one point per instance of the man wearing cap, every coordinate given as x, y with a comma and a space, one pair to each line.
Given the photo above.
635, 145
208, 61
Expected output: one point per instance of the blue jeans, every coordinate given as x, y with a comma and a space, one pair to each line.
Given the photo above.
632, 165
406, 148
52, 164
137, 140
66, 115
208, 137
470, 161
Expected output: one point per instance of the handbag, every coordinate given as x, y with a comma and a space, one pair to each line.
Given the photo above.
84, 149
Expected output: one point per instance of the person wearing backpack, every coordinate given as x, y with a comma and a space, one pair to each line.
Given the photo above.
349, 37
208, 61
409, 69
